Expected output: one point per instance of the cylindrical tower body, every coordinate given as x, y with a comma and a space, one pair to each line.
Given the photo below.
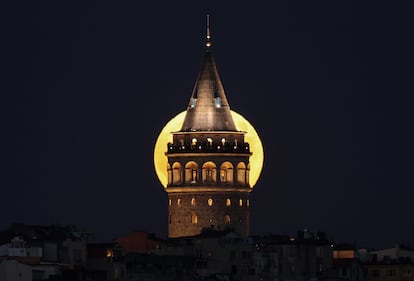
208, 182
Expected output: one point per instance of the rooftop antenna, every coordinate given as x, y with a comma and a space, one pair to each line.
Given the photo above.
208, 38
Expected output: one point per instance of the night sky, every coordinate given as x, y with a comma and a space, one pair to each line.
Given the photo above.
327, 85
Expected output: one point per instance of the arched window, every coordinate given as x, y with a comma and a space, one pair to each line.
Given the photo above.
169, 172
169, 202
193, 202
210, 202
209, 173
247, 202
179, 202
176, 175
228, 202
227, 219
194, 218
226, 173
240, 202
191, 172
241, 173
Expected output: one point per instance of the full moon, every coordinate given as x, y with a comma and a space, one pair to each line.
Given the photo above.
174, 125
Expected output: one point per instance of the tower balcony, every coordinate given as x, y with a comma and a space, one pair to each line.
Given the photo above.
206, 147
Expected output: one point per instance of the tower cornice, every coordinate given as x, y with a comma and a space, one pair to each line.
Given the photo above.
206, 189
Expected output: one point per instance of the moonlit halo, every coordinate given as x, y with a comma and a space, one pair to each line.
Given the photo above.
174, 125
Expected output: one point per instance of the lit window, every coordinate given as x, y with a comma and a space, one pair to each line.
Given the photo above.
210, 141
223, 141
178, 201
223, 175
169, 202
193, 202
228, 202
194, 141
218, 102
210, 202
227, 219
247, 202
194, 176
210, 220
241, 202
194, 219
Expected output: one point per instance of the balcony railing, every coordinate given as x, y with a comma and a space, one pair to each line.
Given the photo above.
208, 148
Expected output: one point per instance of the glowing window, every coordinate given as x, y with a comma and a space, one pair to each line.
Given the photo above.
209, 172
223, 175
176, 174
194, 141
210, 202
193, 202
247, 202
210, 220
194, 219
223, 141
191, 172
169, 202
217, 102
210, 141
228, 202
227, 219
241, 202
226, 173
178, 201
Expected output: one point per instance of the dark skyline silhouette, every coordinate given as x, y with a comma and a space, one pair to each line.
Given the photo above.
326, 85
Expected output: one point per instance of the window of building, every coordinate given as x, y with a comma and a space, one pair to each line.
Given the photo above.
392, 273
241, 173
193, 202
227, 219
193, 102
194, 141
375, 273
169, 202
191, 172
223, 175
194, 219
210, 142
228, 202
226, 173
176, 175
210, 202
247, 202
209, 172
240, 202
218, 102
179, 202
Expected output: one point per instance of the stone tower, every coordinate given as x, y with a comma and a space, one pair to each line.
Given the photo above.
208, 162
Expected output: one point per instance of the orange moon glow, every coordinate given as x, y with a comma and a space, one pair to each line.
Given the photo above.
174, 125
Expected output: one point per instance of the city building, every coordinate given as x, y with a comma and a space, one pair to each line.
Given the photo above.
396, 263
208, 162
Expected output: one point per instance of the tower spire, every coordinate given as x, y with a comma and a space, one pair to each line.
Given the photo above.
208, 34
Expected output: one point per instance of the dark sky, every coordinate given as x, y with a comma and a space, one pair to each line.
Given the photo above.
327, 85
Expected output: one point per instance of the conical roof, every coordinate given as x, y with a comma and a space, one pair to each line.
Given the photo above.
208, 109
